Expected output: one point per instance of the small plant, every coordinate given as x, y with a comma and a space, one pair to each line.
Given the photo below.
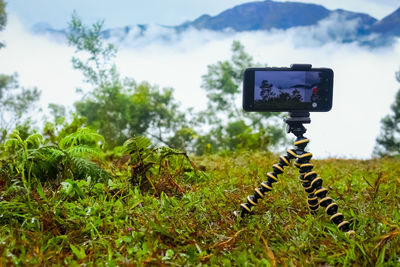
75, 157
160, 169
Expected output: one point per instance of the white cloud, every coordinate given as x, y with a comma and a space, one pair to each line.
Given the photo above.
39, 62
364, 78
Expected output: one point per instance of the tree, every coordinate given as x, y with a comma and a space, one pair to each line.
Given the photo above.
119, 108
388, 142
296, 95
3, 18
230, 123
266, 90
223, 80
15, 102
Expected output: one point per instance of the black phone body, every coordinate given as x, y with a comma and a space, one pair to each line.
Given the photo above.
287, 89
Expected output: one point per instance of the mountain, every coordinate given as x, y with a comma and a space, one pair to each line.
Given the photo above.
45, 28
320, 24
268, 14
389, 25
262, 16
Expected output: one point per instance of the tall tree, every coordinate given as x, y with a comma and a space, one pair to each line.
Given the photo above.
388, 142
266, 90
15, 101
3, 18
119, 107
231, 124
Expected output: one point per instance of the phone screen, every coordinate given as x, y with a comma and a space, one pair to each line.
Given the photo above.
289, 90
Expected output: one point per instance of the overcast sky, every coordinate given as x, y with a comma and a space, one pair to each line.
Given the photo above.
364, 87
172, 12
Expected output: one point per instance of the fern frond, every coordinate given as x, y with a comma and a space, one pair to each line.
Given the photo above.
137, 144
12, 144
52, 152
34, 140
46, 153
45, 163
83, 136
3, 170
15, 134
84, 151
82, 168
167, 150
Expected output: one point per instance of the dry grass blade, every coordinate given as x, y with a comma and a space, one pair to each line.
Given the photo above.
269, 252
389, 236
377, 183
365, 179
225, 243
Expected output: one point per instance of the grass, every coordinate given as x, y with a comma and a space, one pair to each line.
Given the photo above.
114, 223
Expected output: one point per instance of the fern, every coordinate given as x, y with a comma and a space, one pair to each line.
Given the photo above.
34, 141
83, 136
82, 168
51, 153
157, 168
142, 159
4, 169
45, 163
12, 144
137, 143
83, 151
52, 163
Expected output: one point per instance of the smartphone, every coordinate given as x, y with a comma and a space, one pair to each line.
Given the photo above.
287, 89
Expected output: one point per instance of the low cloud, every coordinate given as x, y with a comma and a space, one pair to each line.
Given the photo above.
40, 62
364, 78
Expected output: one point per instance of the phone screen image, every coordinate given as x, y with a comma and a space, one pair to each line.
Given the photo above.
288, 89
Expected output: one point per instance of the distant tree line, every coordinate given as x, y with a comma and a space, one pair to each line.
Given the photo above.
388, 142
119, 108
267, 94
15, 101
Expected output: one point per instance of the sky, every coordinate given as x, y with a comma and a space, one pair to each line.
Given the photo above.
364, 84
171, 12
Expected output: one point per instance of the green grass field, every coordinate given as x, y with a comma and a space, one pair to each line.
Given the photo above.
186, 217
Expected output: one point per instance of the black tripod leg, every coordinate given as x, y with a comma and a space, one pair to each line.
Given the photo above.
266, 186
312, 200
317, 195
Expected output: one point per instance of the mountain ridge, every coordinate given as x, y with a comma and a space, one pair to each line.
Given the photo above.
263, 16
389, 24
267, 15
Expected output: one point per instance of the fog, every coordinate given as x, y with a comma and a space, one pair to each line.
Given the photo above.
364, 85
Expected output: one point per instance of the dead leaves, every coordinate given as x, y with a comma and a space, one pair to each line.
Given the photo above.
228, 242
269, 252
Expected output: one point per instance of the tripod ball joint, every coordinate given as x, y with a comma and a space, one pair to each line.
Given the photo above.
301, 142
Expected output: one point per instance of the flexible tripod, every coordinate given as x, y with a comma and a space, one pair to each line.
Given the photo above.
312, 184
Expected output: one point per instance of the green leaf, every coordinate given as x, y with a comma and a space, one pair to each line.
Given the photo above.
169, 254
79, 252
78, 190
83, 136
67, 188
137, 144
40, 191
